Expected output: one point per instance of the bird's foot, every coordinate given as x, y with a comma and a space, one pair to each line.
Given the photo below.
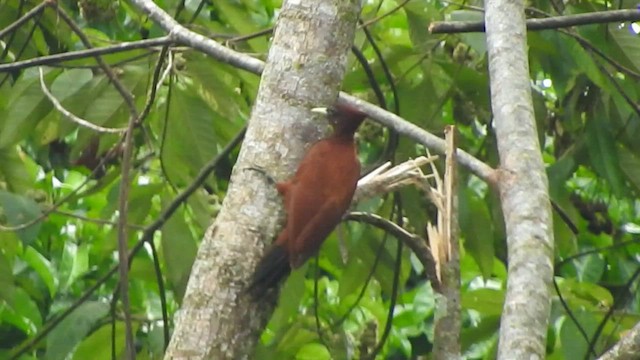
263, 172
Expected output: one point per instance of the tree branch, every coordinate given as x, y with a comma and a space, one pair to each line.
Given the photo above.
627, 348
600, 17
448, 314
24, 18
81, 54
414, 242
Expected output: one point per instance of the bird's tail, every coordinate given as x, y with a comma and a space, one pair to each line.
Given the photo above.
272, 268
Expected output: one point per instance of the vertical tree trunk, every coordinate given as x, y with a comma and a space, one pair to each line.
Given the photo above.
523, 186
304, 69
447, 322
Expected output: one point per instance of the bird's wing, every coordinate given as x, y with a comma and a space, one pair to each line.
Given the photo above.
317, 197
312, 231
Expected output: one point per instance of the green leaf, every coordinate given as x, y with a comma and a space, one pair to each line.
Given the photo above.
586, 64
487, 301
6, 275
69, 82
628, 42
218, 82
473, 84
75, 90
405, 317
21, 311
419, 14
235, 14
313, 351
14, 172
97, 346
107, 106
552, 51
193, 141
43, 267
354, 275
573, 344
70, 332
26, 107
295, 338
74, 263
140, 200
477, 41
603, 152
630, 165
475, 224
487, 329
585, 295
559, 172
178, 251
21, 210
590, 268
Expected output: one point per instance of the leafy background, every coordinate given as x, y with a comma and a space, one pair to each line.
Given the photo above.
55, 289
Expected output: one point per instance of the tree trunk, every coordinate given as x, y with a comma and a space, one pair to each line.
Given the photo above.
305, 67
523, 186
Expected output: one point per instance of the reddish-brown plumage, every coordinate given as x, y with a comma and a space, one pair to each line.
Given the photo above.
315, 199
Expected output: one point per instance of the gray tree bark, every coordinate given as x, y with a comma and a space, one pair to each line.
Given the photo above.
446, 337
305, 67
628, 348
523, 186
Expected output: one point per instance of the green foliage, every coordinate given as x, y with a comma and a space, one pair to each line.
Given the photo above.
588, 124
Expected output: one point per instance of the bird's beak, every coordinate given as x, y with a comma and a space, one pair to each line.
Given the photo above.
320, 110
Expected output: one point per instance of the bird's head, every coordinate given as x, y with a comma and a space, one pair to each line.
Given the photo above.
344, 119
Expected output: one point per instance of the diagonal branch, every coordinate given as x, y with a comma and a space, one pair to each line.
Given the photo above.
81, 54
24, 18
184, 36
414, 242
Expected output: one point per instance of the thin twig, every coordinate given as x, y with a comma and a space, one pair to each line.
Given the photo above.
156, 82
25, 42
397, 209
588, 46
414, 242
81, 54
24, 18
558, 265
94, 220
123, 236
249, 36
69, 115
378, 18
122, 90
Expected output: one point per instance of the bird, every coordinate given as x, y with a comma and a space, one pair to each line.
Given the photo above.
315, 199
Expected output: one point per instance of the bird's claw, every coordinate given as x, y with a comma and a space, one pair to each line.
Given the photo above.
263, 172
